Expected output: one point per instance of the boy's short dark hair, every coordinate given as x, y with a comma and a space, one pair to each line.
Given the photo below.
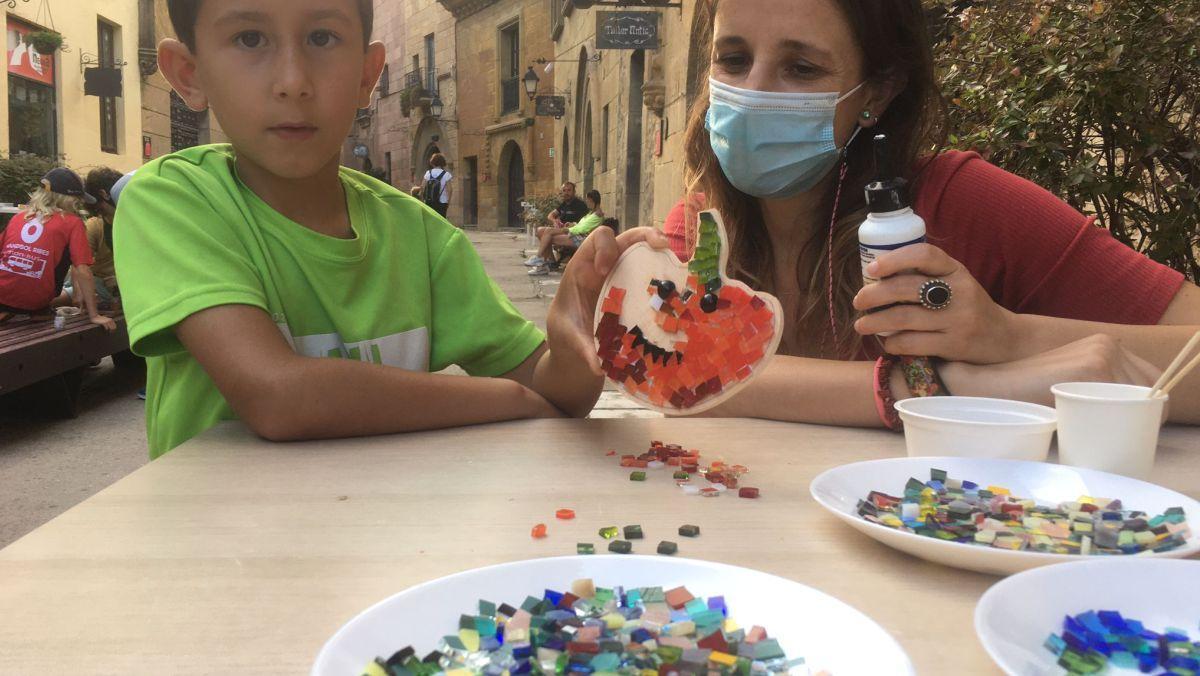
184, 12
612, 223
594, 196
101, 178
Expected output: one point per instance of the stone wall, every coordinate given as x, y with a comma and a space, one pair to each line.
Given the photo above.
492, 138
646, 95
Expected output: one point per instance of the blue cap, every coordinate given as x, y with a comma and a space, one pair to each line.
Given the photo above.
115, 192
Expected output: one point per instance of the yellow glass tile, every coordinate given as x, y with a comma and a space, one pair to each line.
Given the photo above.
722, 658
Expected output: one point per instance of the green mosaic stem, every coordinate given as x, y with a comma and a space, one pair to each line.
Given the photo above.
706, 261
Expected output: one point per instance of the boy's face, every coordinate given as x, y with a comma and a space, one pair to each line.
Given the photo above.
283, 77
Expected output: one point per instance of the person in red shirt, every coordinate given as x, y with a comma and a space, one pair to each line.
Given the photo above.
41, 243
1040, 294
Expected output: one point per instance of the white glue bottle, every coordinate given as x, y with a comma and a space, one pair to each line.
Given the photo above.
891, 223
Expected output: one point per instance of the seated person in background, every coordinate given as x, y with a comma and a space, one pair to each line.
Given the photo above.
571, 236
99, 185
41, 243
568, 212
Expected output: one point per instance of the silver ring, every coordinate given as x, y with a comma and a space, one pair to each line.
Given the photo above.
935, 295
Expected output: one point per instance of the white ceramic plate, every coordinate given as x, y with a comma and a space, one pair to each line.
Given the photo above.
839, 490
1016, 615
828, 633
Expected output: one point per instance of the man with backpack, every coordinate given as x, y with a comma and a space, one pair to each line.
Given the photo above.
436, 191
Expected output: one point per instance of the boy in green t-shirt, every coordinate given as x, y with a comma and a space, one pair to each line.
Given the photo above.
241, 265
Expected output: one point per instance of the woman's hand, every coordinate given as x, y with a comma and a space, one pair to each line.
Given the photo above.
1099, 358
572, 314
972, 328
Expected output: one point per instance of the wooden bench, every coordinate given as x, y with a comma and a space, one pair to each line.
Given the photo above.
32, 351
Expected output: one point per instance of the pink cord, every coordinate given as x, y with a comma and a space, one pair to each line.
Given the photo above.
829, 252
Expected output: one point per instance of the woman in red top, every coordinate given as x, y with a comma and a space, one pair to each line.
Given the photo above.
1040, 295
40, 243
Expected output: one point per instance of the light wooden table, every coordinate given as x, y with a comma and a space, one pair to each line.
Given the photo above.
232, 555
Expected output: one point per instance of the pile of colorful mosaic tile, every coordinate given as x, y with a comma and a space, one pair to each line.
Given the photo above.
646, 630
961, 511
719, 332
1092, 642
718, 475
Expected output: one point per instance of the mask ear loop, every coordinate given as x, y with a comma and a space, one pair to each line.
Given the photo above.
829, 252
837, 198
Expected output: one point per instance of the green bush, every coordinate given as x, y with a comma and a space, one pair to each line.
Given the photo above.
1099, 102
540, 208
20, 175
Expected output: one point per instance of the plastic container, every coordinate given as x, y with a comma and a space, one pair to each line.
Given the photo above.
1108, 426
977, 427
891, 223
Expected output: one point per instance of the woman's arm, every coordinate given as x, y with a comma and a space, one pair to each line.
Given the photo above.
1156, 344
834, 392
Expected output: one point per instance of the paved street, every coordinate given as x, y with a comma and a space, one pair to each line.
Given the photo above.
48, 465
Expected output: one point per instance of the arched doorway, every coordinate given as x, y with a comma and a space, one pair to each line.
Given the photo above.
589, 161
582, 83
566, 158
427, 141
633, 141
511, 186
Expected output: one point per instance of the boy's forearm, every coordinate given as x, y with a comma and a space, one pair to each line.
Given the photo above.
327, 398
567, 383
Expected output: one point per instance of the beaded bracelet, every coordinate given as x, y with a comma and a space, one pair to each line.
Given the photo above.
885, 402
921, 376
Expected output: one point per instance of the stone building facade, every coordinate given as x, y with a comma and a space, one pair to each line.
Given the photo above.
625, 116
167, 124
504, 150
45, 107
627, 112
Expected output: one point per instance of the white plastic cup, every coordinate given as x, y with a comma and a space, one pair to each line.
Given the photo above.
976, 427
1108, 426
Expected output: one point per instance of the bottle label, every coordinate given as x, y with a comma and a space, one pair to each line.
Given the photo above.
867, 254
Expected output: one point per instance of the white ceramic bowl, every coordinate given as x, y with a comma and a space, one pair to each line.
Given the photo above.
1015, 616
828, 633
976, 427
839, 490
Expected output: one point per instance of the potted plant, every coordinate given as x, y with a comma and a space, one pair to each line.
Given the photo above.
45, 42
410, 97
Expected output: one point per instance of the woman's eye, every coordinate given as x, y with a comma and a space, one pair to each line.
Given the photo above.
801, 69
322, 38
249, 39
732, 61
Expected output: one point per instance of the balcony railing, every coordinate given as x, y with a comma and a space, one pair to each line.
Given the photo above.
423, 79
510, 95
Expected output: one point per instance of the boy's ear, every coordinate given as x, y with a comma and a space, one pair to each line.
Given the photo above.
372, 67
178, 65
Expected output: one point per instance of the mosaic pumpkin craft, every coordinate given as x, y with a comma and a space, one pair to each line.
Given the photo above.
682, 338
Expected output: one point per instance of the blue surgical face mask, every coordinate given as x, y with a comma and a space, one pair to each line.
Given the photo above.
773, 144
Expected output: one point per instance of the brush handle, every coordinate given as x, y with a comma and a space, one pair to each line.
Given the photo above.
1169, 374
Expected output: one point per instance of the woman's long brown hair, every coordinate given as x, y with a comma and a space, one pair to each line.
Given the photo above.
895, 44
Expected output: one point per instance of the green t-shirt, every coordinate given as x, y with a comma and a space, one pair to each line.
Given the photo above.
586, 225
408, 290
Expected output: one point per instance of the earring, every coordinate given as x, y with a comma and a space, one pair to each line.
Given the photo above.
866, 114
